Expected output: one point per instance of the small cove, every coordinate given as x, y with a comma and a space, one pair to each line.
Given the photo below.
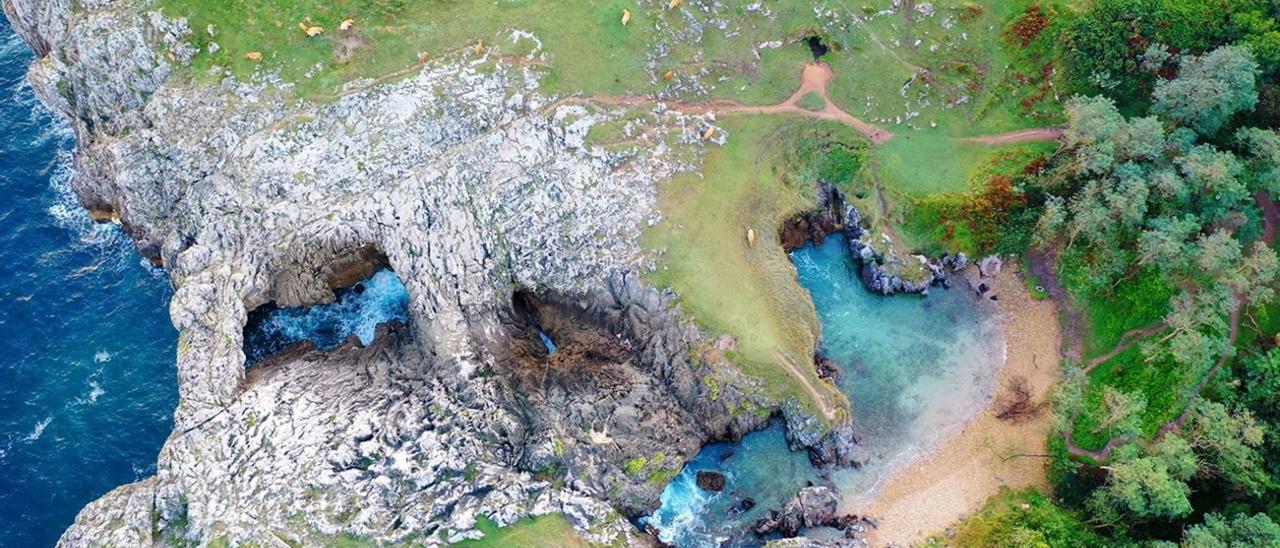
915, 368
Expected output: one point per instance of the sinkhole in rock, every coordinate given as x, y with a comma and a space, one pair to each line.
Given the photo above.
817, 46
527, 308
356, 311
555, 333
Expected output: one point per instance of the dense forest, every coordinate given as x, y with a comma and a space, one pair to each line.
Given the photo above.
1155, 224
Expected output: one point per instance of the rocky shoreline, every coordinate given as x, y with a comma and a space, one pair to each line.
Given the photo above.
473, 188
882, 272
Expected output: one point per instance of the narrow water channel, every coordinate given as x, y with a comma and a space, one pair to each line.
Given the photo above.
915, 369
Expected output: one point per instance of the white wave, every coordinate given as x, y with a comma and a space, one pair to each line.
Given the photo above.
383, 299
101, 356
682, 505
38, 430
95, 392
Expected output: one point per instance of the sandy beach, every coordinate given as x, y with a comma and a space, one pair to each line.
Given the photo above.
956, 478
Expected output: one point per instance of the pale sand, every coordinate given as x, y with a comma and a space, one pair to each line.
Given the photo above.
957, 477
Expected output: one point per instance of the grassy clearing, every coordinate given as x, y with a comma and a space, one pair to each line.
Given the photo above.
1164, 386
978, 81
812, 102
389, 34
963, 200
920, 165
587, 48
548, 531
729, 286
923, 164
1142, 300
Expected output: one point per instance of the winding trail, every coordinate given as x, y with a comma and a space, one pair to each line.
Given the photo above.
1101, 455
815, 78
1271, 219
1127, 340
1024, 136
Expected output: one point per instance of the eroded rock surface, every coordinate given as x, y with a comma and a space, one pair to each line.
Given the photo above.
467, 182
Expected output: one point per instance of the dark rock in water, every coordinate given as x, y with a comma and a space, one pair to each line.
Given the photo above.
709, 480
816, 506
838, 448
747, 504
828, 369
727, 455
994, 298
653, 532
982, 288
811, 507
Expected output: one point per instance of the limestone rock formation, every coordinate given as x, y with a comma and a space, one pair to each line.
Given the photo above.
472, 186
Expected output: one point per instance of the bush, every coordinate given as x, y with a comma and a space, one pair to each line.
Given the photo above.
1025, 518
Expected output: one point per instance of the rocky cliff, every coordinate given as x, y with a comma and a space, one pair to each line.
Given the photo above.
474, 188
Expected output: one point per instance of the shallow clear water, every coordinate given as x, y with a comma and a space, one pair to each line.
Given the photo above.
87, 381
916, 369
357, 311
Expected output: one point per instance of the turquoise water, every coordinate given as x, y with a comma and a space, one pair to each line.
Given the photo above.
87, 381
760, 468
916, 368
357, 311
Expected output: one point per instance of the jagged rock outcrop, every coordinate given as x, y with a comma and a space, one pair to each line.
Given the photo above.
882, 271
467, 182
812, 507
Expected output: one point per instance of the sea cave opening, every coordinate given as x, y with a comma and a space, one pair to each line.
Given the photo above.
367, 293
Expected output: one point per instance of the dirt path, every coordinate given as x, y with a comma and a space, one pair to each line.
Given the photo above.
813, 79
956, 478
1023, 136
1127, 340
813, 391
1040, 262
1270, 216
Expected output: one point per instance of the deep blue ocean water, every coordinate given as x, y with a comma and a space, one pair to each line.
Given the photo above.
915, 369
87, 380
